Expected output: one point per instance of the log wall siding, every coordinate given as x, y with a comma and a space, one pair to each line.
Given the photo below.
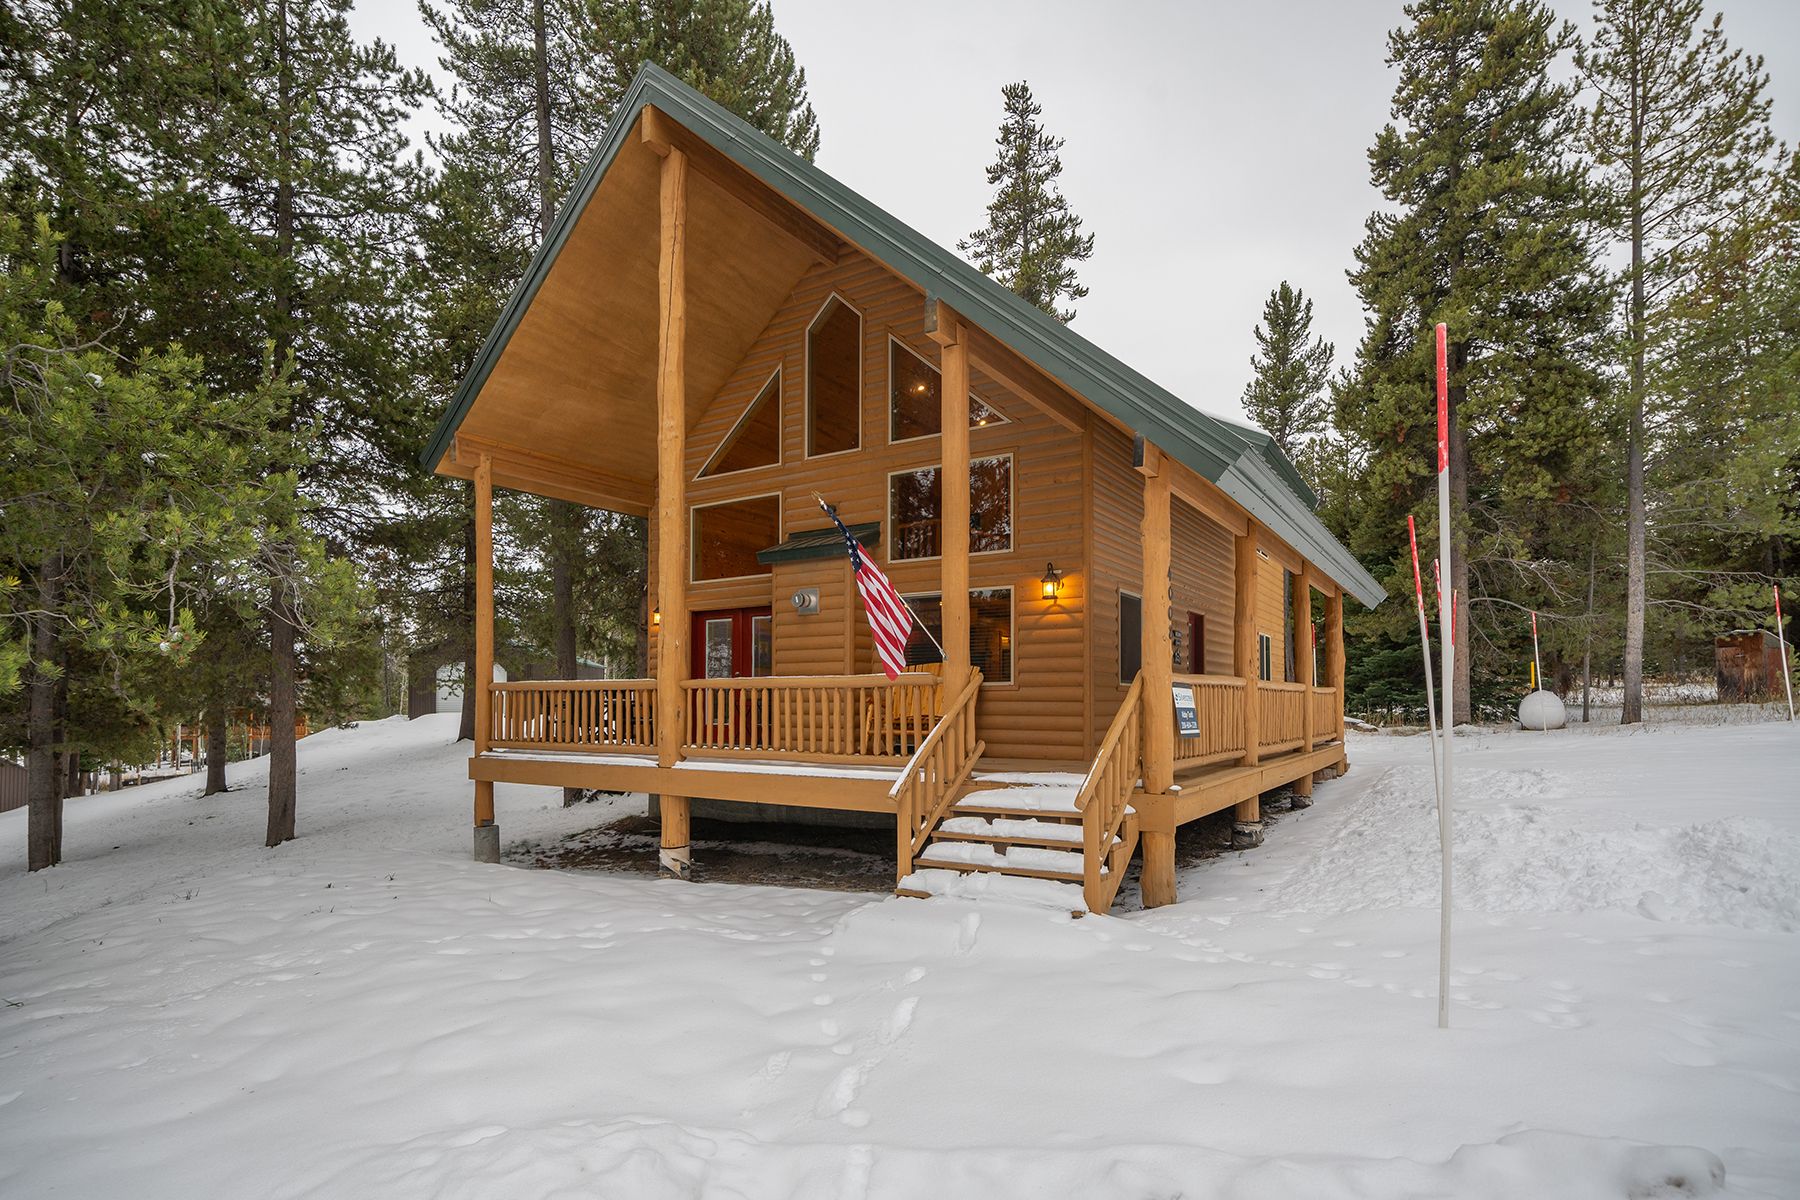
1116, 513
1040, 713
1271, 614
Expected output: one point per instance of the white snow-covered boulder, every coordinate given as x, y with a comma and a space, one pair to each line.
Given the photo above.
1542, 710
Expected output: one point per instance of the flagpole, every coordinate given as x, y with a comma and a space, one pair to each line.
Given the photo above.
918, 622
1437, 781
1447, 634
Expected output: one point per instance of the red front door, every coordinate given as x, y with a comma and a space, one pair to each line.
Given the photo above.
731, 643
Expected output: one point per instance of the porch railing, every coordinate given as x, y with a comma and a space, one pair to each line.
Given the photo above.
1282, 716
1219, 703
574, 714
816, 718
927, 787
1324, 714
1105, 798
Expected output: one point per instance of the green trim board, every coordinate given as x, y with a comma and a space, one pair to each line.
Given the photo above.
819, 543
1244, 462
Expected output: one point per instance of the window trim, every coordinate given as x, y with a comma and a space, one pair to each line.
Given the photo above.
1012, 622
1123, 682
894, 340
693, 541
725, 442
1265, 658
1012, 504
806, 450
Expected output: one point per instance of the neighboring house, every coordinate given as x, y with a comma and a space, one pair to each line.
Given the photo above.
716, 330
435, 680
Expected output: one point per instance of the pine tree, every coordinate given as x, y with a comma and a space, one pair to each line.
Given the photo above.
1032, 240
1679, 129
117, 471
1287, 395
1486, 232
728, 50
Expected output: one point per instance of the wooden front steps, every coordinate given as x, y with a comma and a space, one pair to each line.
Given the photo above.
1020, 826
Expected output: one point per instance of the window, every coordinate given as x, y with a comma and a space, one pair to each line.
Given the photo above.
915, 407
916, 510
834, 380
990, 632
727, 536
1131, 637
755, 441
1196, 646
1265, 656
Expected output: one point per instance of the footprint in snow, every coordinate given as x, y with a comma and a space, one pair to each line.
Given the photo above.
899, 1020
965, 934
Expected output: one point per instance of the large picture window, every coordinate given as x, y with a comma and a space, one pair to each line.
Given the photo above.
915, 389
727, 536
916, 510
834, 380
990, 632
755, 441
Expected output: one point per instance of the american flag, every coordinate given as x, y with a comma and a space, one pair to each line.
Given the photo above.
889, 619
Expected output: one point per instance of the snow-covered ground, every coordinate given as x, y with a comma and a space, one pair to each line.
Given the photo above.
365, 1012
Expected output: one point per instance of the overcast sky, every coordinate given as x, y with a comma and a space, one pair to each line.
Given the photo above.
1214, 149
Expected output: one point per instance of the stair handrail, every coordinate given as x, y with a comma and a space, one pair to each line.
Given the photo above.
945, 758
1106, 793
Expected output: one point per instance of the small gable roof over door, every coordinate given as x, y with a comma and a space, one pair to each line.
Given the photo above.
568, 338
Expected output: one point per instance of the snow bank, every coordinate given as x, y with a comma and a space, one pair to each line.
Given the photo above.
1515, 850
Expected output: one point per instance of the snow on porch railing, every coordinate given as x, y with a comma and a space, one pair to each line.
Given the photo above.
1105, 800
818, 718
574, 714
1219, 704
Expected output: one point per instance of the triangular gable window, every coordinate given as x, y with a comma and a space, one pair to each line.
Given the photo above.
755, 441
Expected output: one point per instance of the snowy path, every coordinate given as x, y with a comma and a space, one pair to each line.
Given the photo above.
365, 1012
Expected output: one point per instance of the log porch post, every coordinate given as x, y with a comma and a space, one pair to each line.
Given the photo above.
1248, 830
1334, 651
1157, 666
954, 485
481, 688
1303, 674
671, 499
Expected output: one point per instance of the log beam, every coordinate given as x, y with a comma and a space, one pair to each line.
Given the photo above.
671, 498
1301, 623
954, 485
480, 688
1245, 655
542, 474
1155, 657
1334, 650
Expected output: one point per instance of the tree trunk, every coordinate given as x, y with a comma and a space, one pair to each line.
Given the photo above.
1587, 651
1458, 577
1633, 708
42, 787
218, 738
283, 671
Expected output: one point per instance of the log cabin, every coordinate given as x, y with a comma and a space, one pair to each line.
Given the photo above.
1142, 626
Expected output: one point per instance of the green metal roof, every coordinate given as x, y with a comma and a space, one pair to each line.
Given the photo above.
1244, 462
818, 543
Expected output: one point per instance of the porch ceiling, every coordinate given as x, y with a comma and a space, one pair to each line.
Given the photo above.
574, 387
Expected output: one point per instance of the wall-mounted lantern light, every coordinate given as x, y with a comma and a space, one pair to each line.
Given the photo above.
1052, 582
655, 618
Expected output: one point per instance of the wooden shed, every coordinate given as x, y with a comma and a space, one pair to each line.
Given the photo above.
1747, 665
715, 331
